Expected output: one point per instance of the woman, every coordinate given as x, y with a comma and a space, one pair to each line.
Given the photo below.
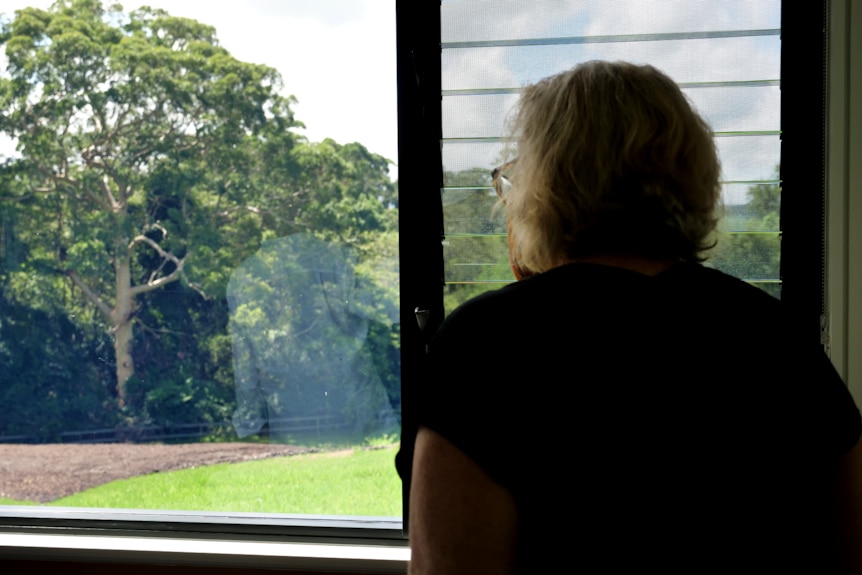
623, 407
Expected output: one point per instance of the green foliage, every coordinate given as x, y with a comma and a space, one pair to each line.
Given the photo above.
764, 200
55, 377
147, 149
384, 440
178, 379
749, 243
475, 250
302, 326
131, 128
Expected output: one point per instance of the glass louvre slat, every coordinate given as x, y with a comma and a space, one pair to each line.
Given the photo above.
751, 158
683, 85
559, 41
477, 258
472, 68
492, 139
738, 217
727, 109
464, 21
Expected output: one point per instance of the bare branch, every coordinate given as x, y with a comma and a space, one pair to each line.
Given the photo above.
155, 273
142, 239
90, 294
90, 156
98, 116
26, 197
64, 180
153, 284
156, 284
150, 149
110, 199
156, 332
120, 127
198, 289
160, 227
228, 212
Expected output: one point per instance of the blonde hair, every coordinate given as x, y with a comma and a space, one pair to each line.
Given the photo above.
611, 158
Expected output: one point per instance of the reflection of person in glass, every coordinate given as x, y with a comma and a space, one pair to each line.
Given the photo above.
299, 324
622, 408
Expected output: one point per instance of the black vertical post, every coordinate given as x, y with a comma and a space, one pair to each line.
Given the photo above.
420, 179
803, 159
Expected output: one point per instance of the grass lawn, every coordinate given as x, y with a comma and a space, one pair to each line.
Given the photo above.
4, 501
349, 482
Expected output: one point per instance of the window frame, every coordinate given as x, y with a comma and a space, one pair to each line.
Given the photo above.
844, 193
59, 534
803, 188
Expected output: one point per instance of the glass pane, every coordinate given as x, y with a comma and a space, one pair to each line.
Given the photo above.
199, 277
477, 20
514, 66
725, 56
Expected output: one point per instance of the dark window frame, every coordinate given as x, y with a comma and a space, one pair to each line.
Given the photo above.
804, 38
420, 179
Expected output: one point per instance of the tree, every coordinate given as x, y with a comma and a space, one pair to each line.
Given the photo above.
749, 245
476, 249
119, 118
764, 200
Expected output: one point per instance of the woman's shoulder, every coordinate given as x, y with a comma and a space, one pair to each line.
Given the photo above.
709, 281
582, 299
595, 282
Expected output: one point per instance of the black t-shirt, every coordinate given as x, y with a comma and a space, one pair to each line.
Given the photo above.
676, 420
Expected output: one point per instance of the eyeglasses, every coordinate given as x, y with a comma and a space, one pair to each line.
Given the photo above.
502, 183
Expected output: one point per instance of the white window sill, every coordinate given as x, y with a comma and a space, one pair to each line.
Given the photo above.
238, 540
308, 556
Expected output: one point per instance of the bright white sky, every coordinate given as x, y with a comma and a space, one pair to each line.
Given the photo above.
336, 56
728, 110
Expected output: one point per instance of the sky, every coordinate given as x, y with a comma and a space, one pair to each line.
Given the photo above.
747, 57
337, 57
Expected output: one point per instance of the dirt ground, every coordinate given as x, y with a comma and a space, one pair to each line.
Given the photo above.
43, 473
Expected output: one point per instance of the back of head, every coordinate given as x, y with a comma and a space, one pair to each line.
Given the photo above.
611, 159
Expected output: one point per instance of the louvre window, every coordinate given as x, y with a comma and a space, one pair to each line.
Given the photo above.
724, 55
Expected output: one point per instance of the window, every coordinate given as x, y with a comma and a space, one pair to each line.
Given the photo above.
489, 53
185, 260
185, 264
422, 273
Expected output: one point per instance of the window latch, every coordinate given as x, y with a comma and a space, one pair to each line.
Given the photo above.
422, 316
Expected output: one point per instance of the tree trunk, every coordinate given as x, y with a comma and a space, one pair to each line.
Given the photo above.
122, 324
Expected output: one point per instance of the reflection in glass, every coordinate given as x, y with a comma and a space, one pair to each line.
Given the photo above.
300, 325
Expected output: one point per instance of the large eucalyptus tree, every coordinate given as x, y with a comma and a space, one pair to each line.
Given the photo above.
130, 128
